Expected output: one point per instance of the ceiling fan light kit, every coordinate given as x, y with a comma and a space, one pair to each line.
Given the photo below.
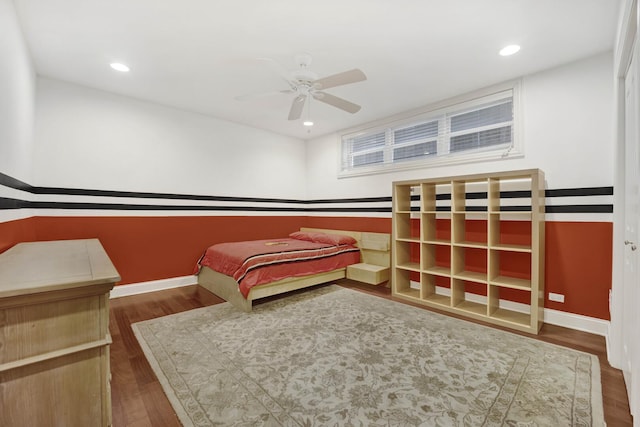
118, 66
305, 85
509, 50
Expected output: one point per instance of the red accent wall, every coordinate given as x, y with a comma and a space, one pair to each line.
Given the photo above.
12, 232
372, 225
578, 254
578, 264
152, 248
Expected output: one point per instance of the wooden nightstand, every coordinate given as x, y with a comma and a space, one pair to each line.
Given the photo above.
376, 259
368, 273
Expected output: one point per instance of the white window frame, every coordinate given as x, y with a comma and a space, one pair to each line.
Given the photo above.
439, 111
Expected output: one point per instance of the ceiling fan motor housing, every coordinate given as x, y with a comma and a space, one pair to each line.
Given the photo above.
303, 75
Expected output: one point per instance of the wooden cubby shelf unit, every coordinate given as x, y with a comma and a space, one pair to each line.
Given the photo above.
472, 245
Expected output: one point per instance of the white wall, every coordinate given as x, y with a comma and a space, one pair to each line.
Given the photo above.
85, 138
17, 81
568, 133
91, 139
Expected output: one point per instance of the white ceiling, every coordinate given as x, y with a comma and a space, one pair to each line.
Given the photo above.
198, 55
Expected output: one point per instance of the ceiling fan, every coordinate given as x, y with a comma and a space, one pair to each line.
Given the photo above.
305, 84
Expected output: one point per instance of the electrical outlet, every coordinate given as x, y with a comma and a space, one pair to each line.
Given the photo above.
556, 297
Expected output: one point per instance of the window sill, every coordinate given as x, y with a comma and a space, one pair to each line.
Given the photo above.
437, 162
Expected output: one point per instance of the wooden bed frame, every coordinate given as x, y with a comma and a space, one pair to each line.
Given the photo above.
228, 289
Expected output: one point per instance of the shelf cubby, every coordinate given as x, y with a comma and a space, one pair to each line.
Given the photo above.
469, 264
461, 290
406, 197
402, 285
472, 245
510, 234
510, 315
436, 259
470, 195
407, 255
511, 318
511, 193
469, 231
406, 228
510, 269
436, 228
436, 197
431, 289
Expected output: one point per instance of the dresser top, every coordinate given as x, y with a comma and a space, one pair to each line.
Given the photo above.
35, 267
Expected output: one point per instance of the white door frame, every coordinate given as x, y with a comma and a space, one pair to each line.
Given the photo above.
631, 357
627, 46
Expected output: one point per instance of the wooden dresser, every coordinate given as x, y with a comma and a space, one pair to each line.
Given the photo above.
54, 334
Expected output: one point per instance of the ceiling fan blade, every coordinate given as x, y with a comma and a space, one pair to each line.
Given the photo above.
250, 96
337, 102
296, 107
277, 68
351, 76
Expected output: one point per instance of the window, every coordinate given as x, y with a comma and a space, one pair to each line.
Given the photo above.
463, 131
415, 142
367, 149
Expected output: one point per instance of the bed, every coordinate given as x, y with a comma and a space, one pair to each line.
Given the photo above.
236, 271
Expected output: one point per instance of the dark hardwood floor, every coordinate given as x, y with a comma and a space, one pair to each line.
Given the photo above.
138, 399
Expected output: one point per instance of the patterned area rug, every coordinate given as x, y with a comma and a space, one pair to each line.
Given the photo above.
337, 357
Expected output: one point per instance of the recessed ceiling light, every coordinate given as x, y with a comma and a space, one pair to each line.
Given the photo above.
119, 67
509, 50
307, 123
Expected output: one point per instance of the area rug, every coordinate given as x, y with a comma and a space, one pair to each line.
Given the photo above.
337, 357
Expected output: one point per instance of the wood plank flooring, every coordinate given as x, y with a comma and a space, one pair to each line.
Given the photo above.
138, 399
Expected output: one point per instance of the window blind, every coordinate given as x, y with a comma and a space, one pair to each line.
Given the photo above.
480, 125
488, 125
365, 149
415, 142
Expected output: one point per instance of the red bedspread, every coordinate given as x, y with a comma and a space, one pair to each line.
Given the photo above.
258, 262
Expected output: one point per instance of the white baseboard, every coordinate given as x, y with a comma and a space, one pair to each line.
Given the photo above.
577, 322
553, 317
152, 286
608, 345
